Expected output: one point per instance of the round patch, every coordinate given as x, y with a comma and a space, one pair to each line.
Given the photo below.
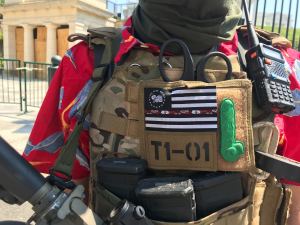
157, 99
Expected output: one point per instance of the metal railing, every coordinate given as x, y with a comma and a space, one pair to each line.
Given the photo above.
36, 81
280, 16
10, 82
24, 83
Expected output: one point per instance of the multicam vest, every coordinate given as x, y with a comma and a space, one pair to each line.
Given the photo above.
121, 126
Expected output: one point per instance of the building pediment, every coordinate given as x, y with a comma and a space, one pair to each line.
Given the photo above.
56, 11
26, 21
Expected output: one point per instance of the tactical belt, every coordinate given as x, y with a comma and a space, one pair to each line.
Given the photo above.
278, 166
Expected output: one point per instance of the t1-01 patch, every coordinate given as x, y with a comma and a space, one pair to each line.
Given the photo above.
181, 128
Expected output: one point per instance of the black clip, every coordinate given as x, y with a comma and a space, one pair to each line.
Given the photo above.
188, 71
59, 181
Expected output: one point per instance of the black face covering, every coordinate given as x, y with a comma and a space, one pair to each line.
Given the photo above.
201, 24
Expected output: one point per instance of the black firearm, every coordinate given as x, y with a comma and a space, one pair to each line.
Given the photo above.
20, 182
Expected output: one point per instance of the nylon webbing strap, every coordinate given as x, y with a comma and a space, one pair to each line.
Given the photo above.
278, 166
110, 197
66, 158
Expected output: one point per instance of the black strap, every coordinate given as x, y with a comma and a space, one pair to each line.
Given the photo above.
98, 53
104, 55
278, 166
242, 49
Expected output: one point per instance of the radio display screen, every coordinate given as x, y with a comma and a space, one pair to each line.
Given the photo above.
272, 53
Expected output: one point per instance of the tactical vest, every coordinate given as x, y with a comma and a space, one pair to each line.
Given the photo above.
122, 125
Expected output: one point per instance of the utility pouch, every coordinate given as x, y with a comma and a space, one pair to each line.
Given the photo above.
266, 137
258, 197
238, 213
274, 208
192, 125
284, 207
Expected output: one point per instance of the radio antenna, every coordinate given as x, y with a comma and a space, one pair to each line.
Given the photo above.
252, 37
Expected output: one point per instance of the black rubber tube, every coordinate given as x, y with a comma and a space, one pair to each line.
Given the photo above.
17, 176
12, 222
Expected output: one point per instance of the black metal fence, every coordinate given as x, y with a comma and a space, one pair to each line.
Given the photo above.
23, 83
10, 82
280, 16
36, 79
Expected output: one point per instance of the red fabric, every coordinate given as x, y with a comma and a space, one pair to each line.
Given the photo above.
129, 41
54, 116
74, 71
289, 144
230, 47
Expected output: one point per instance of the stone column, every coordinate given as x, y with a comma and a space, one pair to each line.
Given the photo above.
9, 41
28, 43
76, 27
51, 41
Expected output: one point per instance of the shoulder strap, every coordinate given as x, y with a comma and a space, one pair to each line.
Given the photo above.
242, 49
104, 51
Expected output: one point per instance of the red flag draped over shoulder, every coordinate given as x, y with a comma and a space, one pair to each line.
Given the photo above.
54, 122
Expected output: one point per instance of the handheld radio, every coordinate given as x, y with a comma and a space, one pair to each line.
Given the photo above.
266, 68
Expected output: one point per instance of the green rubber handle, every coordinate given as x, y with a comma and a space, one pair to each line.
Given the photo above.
231, 149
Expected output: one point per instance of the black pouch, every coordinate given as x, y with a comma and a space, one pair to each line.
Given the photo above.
167, 199
121, 175
214, 191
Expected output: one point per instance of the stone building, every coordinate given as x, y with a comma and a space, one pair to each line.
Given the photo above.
35, 30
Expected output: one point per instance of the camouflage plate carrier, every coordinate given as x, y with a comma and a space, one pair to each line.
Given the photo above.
120, 127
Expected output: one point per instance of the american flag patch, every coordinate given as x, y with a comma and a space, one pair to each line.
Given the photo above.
181, 109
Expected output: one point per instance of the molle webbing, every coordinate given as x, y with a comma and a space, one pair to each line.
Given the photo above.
118, 125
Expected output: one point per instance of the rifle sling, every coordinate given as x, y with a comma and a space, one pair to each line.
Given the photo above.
103, 62
278, 166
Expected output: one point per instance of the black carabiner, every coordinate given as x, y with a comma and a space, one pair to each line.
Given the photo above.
188, 71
